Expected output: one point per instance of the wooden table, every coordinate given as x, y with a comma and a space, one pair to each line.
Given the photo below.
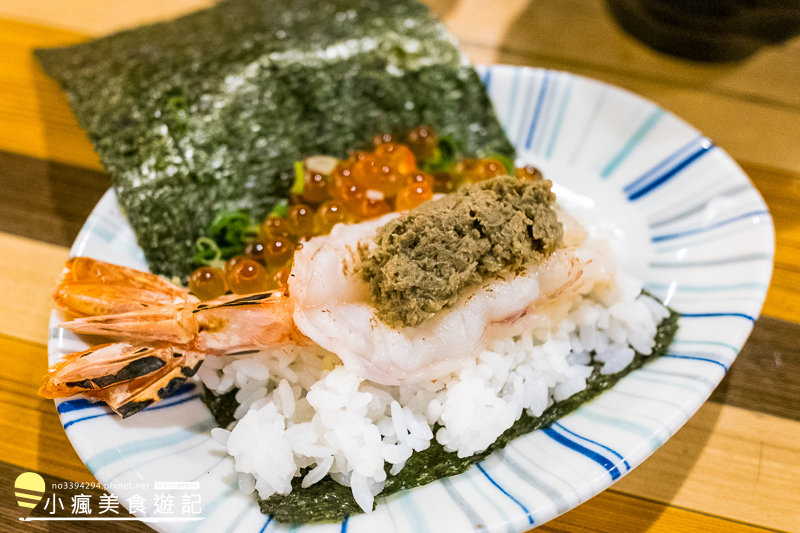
735, 466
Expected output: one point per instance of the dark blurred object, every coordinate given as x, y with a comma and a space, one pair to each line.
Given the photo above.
709, 30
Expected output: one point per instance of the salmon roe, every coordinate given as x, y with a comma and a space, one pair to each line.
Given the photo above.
366, 185
207, 283
247, 276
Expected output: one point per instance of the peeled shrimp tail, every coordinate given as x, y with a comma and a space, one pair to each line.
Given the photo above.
240, 322
90, 288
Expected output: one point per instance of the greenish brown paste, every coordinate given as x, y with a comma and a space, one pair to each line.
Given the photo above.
426, 258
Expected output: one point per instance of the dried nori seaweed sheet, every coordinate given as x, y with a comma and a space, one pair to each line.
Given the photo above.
329, 501
208, 112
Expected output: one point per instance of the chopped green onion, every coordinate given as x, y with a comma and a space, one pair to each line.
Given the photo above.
251, 233
229, 222
299, 178
281, 209
207, 251
229, 231
445, 156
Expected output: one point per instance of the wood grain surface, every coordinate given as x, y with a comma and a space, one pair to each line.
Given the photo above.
734, 466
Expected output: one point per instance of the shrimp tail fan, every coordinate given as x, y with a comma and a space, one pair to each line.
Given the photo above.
168, 323
129, 398
91, 288
128, 377
103, 366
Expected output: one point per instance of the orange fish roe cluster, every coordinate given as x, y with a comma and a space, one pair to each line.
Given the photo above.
366, 185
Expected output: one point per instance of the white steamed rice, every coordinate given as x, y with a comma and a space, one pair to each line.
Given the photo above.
300, 408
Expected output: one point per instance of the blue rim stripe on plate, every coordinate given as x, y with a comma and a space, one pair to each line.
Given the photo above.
668, 168
527, 104
266, 524
413, 513
561, 427
709, 288
732, 348
687, 302
103, 232
718, 315
504, 491
681, 380
491, 501
537, 109
633, 141
551, 493
666, 378
624, 424
547, 112
527, 83
709, 227
80, 404
343, 529
697, 357
746, 258
72, 422
172, 451
718, 356
600, 459
512, 99
728, 193
155, 407
729, 233
665, 164
590, 121
639, 377
559, 117
472, 516
112, 455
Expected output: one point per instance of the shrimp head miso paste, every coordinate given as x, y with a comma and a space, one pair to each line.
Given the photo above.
425, 259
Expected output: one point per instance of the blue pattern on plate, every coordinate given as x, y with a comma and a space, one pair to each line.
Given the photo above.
598, 458
635, 139
697, 358
670, 179
562, 107
715, 225
504, 491
621, 458
537, 110
668, 168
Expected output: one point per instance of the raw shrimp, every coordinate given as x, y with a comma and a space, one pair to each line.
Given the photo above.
169, 332
332, 307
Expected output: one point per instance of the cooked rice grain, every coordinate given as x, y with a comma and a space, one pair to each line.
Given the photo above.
301, 409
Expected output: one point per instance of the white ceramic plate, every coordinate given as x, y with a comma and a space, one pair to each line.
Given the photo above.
696, 231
